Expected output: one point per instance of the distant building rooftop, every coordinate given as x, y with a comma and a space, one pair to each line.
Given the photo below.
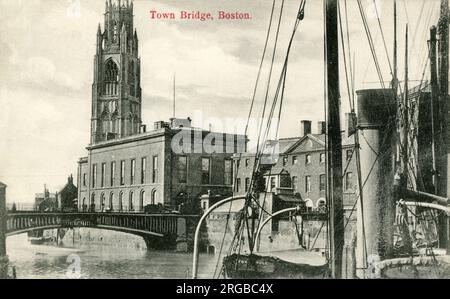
161, 128
288, 144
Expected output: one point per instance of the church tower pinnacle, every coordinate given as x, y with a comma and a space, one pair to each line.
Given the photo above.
116, 90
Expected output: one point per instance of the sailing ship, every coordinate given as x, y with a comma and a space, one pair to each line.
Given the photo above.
256, 265
392, 189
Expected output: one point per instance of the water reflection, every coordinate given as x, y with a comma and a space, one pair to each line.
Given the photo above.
102, 261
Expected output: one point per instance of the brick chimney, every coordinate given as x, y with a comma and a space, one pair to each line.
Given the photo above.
305, 127
321, 127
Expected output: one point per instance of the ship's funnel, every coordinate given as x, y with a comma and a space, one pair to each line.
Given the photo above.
376, 207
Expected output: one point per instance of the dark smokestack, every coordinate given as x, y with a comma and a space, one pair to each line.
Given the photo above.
321, 127
305, 127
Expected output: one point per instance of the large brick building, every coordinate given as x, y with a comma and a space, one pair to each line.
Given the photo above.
128, 167
299, 165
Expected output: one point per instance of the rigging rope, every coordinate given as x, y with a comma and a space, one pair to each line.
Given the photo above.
370, 40
280, 86
250, 110
258, 155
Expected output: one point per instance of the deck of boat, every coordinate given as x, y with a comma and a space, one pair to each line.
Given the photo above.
298, 256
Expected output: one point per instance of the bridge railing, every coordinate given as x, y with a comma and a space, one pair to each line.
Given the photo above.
164, 224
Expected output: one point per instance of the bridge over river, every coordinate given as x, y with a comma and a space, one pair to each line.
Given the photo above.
159, 231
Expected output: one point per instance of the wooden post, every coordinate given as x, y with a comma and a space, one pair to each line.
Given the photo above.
3, 256
334, 141
181, 239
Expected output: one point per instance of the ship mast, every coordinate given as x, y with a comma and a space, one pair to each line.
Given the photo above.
394, 75
405, 160
334, 140
434, 100
444, 142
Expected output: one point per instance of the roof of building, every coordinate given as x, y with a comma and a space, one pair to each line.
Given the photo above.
69, 186
288, 145
151, 134
83, 160
319, 139
132, 138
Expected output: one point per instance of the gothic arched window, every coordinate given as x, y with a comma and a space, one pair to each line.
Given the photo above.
111, 77
111, 71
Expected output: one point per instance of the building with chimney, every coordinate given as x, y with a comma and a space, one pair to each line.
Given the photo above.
68, 196
46, 201
298, 166
129, 167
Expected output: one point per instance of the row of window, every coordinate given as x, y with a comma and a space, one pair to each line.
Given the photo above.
308, 159
205, 170
122, 171
103, 206
182, 169
348, 183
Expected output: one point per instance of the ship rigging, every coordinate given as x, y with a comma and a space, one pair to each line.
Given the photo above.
395, 184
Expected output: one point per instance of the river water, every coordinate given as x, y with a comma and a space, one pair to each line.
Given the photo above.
101, 261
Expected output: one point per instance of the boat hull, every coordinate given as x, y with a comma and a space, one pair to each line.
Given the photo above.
39, 240
266, 267
414, 268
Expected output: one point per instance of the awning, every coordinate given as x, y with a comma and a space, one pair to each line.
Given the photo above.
289, 198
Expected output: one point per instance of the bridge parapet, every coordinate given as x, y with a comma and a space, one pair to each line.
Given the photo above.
165, 226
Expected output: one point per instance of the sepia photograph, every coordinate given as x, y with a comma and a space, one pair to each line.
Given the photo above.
191, 140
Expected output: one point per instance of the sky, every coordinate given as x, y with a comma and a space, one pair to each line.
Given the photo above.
46, 71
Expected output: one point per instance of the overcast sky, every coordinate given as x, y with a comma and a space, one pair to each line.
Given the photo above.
46, 72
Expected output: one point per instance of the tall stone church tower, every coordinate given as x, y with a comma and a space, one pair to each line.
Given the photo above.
116, 91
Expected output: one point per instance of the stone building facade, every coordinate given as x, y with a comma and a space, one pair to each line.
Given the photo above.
129, 173
128, 167
299, 164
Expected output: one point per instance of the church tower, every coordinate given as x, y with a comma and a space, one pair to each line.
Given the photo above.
116, 90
